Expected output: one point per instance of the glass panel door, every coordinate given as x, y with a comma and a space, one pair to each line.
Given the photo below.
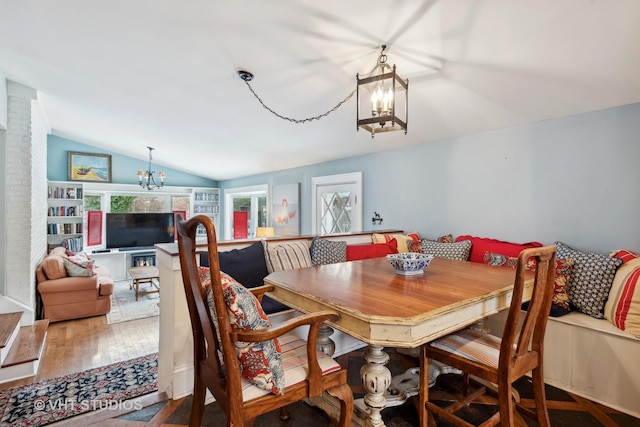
337, 203
252, 201
335, 209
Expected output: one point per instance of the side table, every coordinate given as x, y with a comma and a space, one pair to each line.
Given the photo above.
142, 275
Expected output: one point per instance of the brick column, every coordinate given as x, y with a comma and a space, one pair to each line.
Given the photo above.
25, 192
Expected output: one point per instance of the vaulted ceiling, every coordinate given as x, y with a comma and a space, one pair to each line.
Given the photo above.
124, 75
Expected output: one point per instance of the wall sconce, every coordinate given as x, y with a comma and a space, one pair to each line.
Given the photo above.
377, 219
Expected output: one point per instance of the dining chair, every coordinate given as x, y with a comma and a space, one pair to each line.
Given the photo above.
500, 361
217, 363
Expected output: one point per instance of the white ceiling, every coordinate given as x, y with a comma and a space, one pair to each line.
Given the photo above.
122, 75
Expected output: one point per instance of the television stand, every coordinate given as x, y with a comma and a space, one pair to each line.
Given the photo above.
118, 261
137, 249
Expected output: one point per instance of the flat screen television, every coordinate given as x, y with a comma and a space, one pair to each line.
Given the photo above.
138, 230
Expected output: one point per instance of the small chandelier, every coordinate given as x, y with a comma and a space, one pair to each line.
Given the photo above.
380, 95
146, 179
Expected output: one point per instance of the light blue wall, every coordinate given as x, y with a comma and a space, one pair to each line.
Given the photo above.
573, 179
3, 170
124, 168
3, 102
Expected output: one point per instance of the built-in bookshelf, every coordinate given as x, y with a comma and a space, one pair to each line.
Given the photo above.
65, 215
206, 201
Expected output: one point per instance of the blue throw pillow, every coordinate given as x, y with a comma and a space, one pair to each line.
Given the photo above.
324, 251
591, 280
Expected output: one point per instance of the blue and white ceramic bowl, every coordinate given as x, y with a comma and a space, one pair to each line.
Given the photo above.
409, 263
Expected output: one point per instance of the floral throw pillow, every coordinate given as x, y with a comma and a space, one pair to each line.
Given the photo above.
261, 362
416, 245
447, 238
405, 241
564, 267
500, 260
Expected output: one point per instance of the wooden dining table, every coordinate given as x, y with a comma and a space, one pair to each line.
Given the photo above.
385, 309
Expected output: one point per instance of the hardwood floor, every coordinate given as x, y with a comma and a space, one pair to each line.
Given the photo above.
77, 345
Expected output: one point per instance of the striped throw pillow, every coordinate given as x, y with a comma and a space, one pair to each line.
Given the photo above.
623, 305
287, 256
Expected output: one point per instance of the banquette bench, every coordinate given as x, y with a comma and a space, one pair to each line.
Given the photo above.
590, 358
587, 356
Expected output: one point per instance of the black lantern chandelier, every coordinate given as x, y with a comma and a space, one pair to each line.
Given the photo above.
385, 95
146, 179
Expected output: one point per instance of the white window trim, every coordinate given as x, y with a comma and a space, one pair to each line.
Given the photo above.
228, 204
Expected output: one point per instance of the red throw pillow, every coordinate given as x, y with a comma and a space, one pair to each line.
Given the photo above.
624, 255
371, 250
480, 245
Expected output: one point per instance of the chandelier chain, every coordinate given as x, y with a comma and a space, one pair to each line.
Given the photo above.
308, 119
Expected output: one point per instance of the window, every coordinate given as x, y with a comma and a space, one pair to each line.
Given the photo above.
252, 203
337, 203
92, 202
180, 203
139, 204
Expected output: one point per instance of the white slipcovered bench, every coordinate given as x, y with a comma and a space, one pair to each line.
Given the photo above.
590, 358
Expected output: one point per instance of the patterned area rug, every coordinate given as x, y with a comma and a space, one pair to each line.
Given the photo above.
124, 306
55, 399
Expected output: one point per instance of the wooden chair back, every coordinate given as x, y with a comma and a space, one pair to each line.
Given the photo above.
215, 360
519, 351
527, 337
216, 364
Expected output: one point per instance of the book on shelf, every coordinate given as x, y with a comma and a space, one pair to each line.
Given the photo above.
64, 228
73, 244
60, 192
207, 197
75, 210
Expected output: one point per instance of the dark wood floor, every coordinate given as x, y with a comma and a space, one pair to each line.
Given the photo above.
77, 345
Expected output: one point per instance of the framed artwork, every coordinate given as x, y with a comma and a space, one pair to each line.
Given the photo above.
285, 209
88, 167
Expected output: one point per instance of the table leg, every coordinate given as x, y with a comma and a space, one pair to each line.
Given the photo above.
376, 378
325, 344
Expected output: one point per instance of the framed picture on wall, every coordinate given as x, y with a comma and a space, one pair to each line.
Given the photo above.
88, 167
285, 206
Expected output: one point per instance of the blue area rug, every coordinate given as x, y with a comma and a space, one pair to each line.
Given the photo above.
124, 306
55, 399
